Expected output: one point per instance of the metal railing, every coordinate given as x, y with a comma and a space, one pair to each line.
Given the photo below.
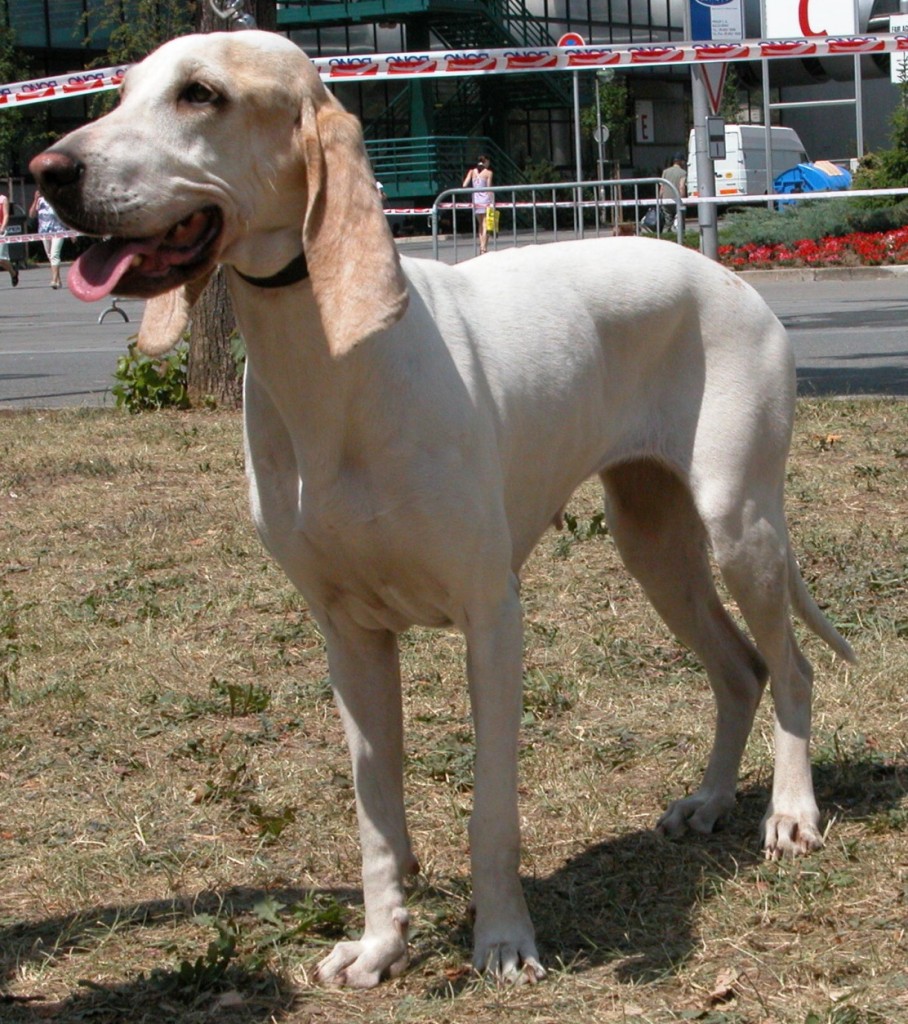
781, 198
562, 210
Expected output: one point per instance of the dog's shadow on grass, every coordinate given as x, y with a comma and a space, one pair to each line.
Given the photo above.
632, 901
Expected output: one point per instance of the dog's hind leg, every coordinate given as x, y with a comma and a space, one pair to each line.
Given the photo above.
750, 541
661, 539
365, 675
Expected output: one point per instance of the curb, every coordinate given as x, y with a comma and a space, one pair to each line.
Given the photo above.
824, 273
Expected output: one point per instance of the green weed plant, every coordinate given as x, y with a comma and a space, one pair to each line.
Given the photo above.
146, 385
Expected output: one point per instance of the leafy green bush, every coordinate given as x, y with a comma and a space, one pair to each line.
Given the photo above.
811, 220
868, 216
541, 172
887, 168
146, 384
788, 225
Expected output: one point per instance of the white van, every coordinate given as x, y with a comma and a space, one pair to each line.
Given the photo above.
743, 171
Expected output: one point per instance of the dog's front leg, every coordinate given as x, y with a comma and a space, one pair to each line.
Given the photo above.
365, 674
504, 942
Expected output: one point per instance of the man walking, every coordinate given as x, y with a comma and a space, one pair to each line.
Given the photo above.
677, 175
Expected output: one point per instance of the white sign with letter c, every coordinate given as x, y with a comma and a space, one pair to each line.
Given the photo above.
809, 19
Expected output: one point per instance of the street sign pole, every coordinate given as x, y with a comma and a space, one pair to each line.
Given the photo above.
578, 153
858, 90
573, 39
706, 181
767, 109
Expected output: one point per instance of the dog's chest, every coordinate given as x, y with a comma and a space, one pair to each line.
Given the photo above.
353, 553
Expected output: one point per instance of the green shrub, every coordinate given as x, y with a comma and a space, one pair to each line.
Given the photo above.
867, 216
146, 384
813, 220
887, 168
788, 225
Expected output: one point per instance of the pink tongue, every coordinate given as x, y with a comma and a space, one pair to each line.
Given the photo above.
97, 271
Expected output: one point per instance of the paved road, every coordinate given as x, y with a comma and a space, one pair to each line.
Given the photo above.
53, 351
850, 337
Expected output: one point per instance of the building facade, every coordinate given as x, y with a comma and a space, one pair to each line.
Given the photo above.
421, 134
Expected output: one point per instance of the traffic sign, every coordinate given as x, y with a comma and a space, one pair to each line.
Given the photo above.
572, 39
714, 76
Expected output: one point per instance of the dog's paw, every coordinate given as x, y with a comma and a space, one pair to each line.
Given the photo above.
504, 943
789, 835
512, 963
368, 961
700, 812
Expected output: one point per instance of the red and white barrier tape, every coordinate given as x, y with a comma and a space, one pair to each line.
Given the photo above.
578, 58
60, 87
37, 237
373, 67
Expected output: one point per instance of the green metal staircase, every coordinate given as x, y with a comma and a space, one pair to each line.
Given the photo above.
490, 23
423, 167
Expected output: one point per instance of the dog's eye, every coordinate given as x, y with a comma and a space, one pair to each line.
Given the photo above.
199, 94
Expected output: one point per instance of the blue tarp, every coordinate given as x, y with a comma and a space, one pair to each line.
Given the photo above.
827, 177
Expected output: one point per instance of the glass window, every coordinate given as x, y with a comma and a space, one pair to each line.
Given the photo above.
26, 19
306, 39
390, 39
97, 26
66, 27
333, 42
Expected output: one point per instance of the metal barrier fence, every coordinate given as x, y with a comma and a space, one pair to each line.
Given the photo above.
562, 210
599, 207
781, 198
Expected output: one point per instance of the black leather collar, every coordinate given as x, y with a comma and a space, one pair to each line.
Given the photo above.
296, 270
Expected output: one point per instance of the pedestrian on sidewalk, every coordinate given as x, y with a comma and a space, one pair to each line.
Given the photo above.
5, 262
677, 175
48, 223
480, 177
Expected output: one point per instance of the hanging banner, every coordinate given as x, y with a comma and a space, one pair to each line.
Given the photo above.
809, 19
720, 21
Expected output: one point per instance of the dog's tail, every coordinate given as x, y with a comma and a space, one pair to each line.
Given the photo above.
809, 613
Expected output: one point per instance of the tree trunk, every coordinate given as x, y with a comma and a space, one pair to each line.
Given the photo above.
212, 371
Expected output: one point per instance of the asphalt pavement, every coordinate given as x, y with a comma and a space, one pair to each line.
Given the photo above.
53, 351
849, 331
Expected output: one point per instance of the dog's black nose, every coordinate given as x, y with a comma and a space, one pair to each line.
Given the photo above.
55, 170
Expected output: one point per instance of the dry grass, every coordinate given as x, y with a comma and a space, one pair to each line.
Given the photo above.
177, 839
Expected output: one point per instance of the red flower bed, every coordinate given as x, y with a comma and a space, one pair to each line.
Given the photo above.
859, 249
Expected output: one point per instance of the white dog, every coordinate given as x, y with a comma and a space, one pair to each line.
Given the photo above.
413, 428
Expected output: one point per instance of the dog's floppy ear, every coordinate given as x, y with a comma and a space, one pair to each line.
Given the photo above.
167, 316
356, 276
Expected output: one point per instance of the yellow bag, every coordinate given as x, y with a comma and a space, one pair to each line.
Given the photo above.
492, 218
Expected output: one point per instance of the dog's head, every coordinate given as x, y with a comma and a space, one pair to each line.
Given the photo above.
225, 148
